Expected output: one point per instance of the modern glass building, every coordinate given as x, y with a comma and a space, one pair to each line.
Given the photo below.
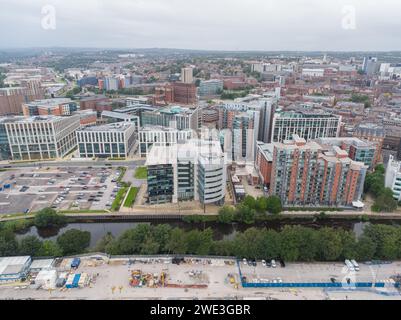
195, 170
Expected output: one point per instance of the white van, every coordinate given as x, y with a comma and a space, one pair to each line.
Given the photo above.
355, 264
349, 265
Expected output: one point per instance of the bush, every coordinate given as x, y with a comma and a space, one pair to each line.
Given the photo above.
115, 206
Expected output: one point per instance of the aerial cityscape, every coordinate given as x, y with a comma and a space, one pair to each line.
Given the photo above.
146, 166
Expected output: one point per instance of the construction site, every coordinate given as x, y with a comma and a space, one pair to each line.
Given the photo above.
101, 277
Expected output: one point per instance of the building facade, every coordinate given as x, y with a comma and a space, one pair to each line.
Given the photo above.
161, 136
393, 177
307, 125
305, 175
195, 170
40, 138
115, 140
47, 107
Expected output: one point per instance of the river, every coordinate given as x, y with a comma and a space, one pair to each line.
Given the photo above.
221, 231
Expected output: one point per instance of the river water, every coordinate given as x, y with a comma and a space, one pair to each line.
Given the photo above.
221, 231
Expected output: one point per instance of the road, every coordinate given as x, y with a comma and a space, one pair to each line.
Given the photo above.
70, 163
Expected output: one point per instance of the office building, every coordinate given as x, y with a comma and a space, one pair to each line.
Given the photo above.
5, 151
308, 125
150, 136
195, 170
47, 107
393, 177
117, 140
210, 88
174, 117
304, 174
41, 137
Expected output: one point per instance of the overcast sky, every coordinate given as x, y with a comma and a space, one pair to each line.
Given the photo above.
322, 25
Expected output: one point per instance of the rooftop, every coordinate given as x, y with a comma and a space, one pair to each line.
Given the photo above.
12, 265
113, 127
49, 102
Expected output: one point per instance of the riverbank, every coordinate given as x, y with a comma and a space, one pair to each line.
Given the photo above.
140, 216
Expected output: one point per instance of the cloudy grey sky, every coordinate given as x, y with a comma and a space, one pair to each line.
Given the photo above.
204, 24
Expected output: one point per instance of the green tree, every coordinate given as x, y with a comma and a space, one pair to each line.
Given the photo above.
250, 202
365, 248
261, 204
74, 241
177, 242
226, 214
104, 242
245, 214
385, 202
329, 244
161, 234
271, 241
49, 218
49, 249
274, 205
8, 243
249, 244
29, 246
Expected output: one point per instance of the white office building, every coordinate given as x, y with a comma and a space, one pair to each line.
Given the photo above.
115, 140
150, 136
308, 125
195, 170
41, 137
393, 177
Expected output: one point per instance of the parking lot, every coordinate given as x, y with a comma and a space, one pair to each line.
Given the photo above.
64, 188
318, 273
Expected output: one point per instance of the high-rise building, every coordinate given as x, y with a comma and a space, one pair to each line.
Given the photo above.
267, 111
370, 65
242, 124
187, 75
195, 170
308, 125
41, 137
393, 177
303, 174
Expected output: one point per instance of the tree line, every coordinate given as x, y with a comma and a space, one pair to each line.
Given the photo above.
292, 243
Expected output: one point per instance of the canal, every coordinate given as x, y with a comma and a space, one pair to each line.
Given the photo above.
221, 231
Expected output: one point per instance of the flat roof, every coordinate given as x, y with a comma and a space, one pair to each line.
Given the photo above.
42, 264
49, 102
13, 265
114, 127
